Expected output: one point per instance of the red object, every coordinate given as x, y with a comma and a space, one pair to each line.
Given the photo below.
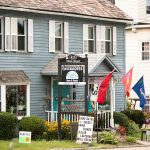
103, 89
127, 79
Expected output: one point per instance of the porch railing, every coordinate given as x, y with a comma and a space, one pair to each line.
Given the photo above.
103, 118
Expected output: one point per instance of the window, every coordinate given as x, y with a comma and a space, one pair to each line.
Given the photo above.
91, 39
146, 107
145, 50
22, 34
108, 40
16, 99
18, 34
58, 36
112, 1
148, 7
1, 33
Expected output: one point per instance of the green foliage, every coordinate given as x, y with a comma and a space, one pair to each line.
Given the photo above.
107, 137
34, 124
121, 119
52, 130
132, 129
8, 124
136, 115
130, 139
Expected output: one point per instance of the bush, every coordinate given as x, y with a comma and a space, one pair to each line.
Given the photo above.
121, 119
52, 130
8, 125
132, 129
130, 139
106, 137
33, 124
136, 115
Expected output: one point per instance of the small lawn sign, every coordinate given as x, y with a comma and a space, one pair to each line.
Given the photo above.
24, 137
85, 129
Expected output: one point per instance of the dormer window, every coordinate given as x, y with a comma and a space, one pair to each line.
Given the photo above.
91, 38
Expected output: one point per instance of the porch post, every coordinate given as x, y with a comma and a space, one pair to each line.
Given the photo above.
111, 104
3, 98
28, 99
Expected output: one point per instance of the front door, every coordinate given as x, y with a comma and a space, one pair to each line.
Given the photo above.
65, 93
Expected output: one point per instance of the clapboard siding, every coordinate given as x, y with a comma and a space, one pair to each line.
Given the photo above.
33, 63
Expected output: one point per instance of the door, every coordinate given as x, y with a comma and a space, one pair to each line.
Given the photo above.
65, 93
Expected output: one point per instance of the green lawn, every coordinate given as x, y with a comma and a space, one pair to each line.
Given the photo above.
43, 145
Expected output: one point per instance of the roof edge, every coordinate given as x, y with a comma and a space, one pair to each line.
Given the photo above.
127, 21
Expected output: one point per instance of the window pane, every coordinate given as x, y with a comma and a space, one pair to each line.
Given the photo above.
0, 26
58, 44
145, 55
107, 47
58, 29
91, 46
148, 7
21, 43
90, 32
0, 42
107, 34
16, 99
21, 26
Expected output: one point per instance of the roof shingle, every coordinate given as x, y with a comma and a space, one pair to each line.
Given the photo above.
94, 8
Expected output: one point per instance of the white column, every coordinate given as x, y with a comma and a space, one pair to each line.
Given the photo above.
52, 97
28, 100
111, 104
3, 98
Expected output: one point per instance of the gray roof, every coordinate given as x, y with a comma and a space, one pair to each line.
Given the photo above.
95, 8
13, 77
94, 61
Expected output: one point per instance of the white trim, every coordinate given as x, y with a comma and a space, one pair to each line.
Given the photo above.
30, 35
66, 14
71, 83
3, 98
111, 104
28, 100
52, 90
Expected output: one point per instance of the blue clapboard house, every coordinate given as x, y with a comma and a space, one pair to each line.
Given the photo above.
34, 34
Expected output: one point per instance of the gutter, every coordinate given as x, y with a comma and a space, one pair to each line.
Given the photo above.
65, 14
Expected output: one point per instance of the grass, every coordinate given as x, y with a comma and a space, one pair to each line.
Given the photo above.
43, 145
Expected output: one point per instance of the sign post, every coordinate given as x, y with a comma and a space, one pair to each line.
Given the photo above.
72, 70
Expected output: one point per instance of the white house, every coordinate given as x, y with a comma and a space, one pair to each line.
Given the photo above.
138, 41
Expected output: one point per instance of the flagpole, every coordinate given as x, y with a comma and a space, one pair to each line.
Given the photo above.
96, 122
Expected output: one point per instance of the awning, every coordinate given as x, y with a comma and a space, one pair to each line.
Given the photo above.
98, 64
13, 77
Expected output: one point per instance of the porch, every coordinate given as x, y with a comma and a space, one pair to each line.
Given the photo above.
103, 118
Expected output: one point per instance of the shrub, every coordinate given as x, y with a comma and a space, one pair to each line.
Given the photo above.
121, 119
8, 124
132, 128
136, 115
52, 130
106, 137
33, 124
130, 139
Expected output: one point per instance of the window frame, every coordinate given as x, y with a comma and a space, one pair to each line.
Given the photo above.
147, 7
60, 37
3, 97
2, 33
25, 35
94, 38
145, 51
111, 39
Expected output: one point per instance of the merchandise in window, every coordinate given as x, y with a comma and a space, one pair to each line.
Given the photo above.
91, 39
16, 99
145, 50
58, 36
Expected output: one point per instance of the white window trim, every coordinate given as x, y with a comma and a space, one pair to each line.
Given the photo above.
110, 41
3, 98
60, 37
2, 33
145, 51
93, 26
